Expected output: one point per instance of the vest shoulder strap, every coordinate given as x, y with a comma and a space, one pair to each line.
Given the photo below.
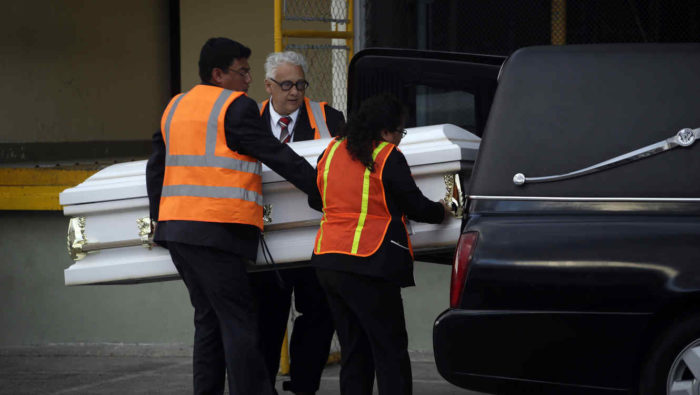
319, 118
261, 106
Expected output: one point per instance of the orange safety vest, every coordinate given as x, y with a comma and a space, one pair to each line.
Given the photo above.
315, 110
204, 179
355, 214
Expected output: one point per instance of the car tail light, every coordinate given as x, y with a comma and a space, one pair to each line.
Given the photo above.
463, 255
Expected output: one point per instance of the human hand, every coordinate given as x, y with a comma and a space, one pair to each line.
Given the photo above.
152, 235
448, 210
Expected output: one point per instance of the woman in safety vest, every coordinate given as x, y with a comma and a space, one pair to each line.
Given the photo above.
362, 250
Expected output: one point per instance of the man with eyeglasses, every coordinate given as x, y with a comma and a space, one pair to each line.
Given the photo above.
290, 116
204, 186
285, 81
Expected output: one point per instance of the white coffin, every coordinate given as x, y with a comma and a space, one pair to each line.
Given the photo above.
110, 243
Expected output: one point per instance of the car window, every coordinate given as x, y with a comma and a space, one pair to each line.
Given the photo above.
438, 105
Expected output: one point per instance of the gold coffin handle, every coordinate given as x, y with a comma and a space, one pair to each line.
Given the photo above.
76, 238
79, 247
147, 228
267, 214
454, 196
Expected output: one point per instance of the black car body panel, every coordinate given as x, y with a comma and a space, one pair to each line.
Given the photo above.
604, 263
571, 282
566, 300
538, 349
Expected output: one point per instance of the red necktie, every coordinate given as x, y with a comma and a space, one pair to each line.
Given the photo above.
285, 136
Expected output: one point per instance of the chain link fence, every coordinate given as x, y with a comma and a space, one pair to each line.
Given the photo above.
326, 64
327, 58
502, 26
316, 10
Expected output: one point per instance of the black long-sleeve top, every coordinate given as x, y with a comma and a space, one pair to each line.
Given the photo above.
245, 134
391, 262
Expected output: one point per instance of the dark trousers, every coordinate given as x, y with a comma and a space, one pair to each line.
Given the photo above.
369, 318
225, 321
313, 329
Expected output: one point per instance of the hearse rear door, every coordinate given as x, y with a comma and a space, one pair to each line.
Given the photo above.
437, 87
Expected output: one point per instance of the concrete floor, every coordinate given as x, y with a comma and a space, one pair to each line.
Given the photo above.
147, 369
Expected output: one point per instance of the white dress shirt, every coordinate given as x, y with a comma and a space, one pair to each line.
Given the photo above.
275, 118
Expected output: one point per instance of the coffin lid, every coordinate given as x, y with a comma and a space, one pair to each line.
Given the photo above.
560, 109
422, 146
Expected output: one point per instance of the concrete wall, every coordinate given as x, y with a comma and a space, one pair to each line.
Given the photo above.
76, 70
38, 309
249, 22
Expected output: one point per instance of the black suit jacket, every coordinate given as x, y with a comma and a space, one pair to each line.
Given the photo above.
335, 120
391, 261
245, 134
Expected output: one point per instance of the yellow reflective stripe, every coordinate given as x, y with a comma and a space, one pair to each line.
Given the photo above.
325, 188
365, 202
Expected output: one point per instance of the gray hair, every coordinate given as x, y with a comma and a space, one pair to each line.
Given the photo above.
275, 59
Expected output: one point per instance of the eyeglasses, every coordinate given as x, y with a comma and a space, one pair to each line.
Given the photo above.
242, 72
287, 85
403, 132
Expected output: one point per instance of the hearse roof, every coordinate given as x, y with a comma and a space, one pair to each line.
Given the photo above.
561, 109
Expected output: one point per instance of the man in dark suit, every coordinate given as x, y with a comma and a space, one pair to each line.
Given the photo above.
290, 116
204, 190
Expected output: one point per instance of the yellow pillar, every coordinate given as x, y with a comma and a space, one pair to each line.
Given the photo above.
558, 22
278, 26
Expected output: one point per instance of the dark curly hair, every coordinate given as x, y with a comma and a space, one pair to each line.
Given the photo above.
364, 129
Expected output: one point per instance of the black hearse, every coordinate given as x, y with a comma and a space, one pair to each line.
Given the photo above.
579, 264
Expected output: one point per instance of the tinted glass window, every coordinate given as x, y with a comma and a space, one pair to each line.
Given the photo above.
437, 105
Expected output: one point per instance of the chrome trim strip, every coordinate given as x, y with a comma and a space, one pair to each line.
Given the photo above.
584, 199
684, 138
212, 192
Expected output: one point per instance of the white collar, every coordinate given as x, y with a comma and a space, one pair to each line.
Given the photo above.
275, 117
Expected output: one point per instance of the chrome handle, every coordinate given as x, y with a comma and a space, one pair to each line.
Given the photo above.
684, 138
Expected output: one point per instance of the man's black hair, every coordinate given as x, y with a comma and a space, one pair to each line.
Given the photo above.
219, 52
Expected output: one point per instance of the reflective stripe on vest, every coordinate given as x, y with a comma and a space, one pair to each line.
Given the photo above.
204, 179
355, 214
315, 111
